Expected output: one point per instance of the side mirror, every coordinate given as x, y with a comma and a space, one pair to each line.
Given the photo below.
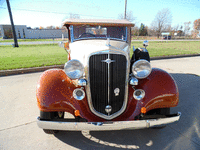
145, 43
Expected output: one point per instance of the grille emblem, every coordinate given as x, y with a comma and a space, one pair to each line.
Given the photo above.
116, 91
108, 61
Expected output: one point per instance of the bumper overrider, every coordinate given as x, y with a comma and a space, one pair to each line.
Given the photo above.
110, 125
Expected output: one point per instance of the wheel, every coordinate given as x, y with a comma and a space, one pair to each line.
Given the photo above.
50, 116
50, 131
160, 111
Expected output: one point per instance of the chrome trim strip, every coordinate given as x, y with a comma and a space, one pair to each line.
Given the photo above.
72, 33
88, 92
126, 34
108, 61
108, 82
103, 126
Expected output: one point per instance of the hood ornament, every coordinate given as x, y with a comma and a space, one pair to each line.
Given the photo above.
108, 42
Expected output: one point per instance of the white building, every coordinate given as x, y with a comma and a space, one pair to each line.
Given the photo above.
23, 33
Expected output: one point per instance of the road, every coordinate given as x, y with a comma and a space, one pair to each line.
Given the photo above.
18, 112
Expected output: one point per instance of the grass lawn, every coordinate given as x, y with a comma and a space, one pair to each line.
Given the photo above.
31, 56
28, 40
164, 48
44, 55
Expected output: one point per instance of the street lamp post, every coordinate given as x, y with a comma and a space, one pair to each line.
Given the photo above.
12, 24
125, 9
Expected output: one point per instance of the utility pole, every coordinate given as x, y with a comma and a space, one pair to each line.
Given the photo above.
125, 9
12, 24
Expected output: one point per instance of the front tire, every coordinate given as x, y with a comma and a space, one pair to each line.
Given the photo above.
50, 131
160, 111
51, 116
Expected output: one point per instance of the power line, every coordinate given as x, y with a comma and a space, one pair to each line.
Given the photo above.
53, 12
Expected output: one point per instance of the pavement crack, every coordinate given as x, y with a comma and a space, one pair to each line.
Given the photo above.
184, 135
17, 126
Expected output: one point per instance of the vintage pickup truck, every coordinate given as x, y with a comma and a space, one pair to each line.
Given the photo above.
102, 86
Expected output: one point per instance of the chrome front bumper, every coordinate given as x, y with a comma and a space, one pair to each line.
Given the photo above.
103, 126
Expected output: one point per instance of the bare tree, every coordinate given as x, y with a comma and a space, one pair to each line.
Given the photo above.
187, 27
151, 32
175, 30
162, 21
176, 27
135, 31
129, 16
194, 33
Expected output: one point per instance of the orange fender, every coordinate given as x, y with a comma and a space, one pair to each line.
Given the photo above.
160, 89
54, 92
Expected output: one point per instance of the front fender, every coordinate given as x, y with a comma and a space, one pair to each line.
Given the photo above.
160, 89
54, 92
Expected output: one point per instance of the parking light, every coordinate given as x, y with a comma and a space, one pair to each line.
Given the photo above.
77, 113
143, 110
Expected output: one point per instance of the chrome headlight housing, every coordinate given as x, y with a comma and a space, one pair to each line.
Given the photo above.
141, 69
74, 69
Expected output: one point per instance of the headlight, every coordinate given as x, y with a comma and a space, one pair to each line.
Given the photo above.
141, 69
74, 69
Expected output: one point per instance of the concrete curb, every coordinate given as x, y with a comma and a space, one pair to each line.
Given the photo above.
175, 56
28, 70
40, 69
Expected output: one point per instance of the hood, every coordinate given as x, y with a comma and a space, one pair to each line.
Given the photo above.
80, 50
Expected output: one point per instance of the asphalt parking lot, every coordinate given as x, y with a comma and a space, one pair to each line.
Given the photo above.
18, 112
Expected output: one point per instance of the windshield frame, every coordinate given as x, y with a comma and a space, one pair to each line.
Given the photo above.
88, 38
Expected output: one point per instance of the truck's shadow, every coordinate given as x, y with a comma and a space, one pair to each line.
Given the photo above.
184, 133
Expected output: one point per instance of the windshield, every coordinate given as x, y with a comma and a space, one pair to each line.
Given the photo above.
98, 32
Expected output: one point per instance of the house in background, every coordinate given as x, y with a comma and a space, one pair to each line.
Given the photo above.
22, 32
166, 35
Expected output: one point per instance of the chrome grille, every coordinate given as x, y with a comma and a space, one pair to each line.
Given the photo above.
105, 77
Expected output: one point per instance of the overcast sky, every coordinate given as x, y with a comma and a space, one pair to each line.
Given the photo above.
44, 13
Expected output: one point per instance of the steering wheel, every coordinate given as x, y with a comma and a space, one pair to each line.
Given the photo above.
86, 35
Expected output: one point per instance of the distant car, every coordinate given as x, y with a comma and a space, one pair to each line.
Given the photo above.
165, 38
102, 86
